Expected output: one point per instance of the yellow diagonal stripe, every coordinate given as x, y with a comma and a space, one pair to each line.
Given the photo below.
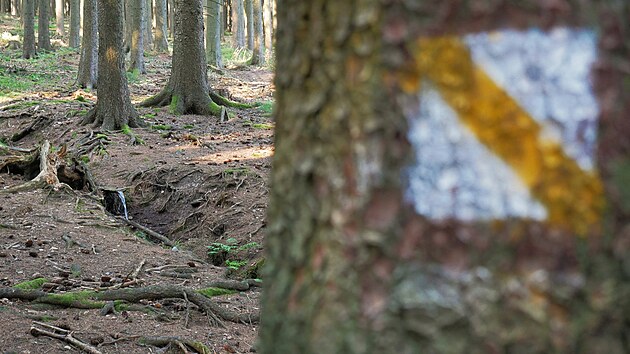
573, 197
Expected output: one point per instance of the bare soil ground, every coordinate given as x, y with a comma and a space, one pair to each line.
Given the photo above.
199, 182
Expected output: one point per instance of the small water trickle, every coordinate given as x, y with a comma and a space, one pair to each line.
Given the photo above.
124, 204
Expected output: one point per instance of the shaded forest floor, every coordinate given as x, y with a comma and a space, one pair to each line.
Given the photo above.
200, 182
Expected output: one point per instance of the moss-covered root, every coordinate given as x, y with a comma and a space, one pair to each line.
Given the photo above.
222, 101
200, 105
31, 284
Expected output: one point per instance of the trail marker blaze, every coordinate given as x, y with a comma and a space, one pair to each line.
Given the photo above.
487, 150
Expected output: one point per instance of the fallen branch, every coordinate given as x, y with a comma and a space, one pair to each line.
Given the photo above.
149, 232
97, 300
65, 336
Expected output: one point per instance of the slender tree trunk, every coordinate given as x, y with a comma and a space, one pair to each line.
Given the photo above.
59, 17
148, 29
187, 91
128, 25
88, 64
113, 107
169, 17
213, 37
138, 23
224, 18
249, 10
28, 50
75, 24
16, 5
161, 30
268, 28
43, 33
258, 55
3, 9
238, 24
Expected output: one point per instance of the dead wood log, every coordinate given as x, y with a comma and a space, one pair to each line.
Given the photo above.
48, 164
96, 300
149, 232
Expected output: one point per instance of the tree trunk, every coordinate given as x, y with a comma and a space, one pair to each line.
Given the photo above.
113, 107
138, 24
148, 29
249, 10
3, 9
354, 268
238, 24
268, 28
258, 55
43, 34
128, 25
169, 18
75, 24
59, 16
88, 64
28, 50
187, 91
161, 31
213, 37
15, 8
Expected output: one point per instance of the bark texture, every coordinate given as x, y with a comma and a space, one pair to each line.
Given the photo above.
75, 24
258, 54
113, 107
43, 34
161, 31
213, 34
148, 19
352, 269
187, 91
138, 23
28, 50
88, 64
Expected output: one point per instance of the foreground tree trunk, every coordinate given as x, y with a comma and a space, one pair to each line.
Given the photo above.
352, 268
138, 24
28, 50
213, 36
75, 24
113, 109
88, 64
187, 91
43, 34
161, 30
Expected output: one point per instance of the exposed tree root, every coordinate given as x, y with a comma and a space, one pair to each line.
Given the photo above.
180, 104
93, 299
223, 101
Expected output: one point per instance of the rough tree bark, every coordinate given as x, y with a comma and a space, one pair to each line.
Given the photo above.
268, 28
88, 64
238, 24
75, 24
113, 107
59, 16
187, 91
43, 34
213, 34
353, 269
258, 55
138, 24
28, 49
161, 31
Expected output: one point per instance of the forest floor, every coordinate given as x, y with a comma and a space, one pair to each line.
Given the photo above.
198, 181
